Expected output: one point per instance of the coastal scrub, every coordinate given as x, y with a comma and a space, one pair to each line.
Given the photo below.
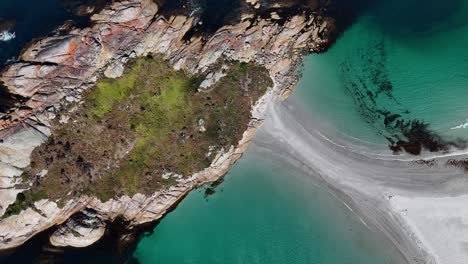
145, 130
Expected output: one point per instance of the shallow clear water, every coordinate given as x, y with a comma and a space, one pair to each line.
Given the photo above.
405, 58
262, 213
402, 60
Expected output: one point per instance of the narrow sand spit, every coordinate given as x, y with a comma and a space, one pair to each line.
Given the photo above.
422, 209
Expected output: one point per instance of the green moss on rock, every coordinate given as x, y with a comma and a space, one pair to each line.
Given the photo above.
23, 201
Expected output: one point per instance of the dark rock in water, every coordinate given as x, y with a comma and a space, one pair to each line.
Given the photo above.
7, 100
213, 186
85, 7
209, 191
217, 182
372, 90
27, 20
75, 60
212, 14
116, 246
418, 137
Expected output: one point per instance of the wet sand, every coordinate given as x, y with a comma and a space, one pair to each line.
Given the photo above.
417, 205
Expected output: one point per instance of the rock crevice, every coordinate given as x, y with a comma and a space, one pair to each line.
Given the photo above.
56, 71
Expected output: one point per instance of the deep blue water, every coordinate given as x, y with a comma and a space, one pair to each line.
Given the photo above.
417, 32
31, 19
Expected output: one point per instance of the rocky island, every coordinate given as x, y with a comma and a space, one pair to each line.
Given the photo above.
121, 119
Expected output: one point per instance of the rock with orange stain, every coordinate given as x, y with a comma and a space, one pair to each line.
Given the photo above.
55, 69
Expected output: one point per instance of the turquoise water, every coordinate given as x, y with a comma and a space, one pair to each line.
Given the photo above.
398, 73
405, 58
262, 214
402, 60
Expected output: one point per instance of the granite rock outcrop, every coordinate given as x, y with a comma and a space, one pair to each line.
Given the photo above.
55, 71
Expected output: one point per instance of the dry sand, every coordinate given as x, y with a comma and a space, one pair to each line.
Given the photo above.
422, 209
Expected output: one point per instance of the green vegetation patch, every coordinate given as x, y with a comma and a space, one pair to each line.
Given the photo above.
111, 91
129, 132
23, 201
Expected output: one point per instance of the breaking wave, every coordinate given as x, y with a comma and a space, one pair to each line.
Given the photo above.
7, 36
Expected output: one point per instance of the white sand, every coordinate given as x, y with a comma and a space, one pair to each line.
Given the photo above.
440, 223
422, 210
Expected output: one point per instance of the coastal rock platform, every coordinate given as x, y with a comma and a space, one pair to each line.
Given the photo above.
55, 71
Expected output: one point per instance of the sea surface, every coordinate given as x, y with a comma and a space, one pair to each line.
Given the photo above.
31, 19
263, 213
401, 62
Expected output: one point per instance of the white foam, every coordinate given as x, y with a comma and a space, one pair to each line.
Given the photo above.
7, 36
464, 125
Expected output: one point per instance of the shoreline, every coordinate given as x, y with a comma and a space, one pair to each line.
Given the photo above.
302, 169
413, 205
117, 235
165, 36
86, 53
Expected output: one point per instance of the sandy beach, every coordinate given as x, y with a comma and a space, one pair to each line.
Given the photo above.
419, 207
